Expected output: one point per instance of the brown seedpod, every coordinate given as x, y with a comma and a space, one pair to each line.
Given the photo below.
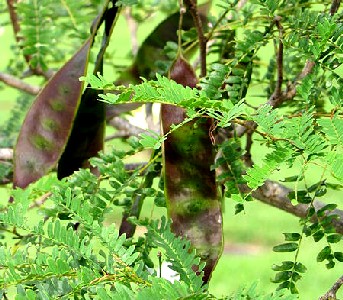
192, 196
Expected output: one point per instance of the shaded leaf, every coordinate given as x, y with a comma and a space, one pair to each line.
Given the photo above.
317, 236
334, 238
282, 276
285, 266
328, 207
339, 256
324, 253
299, 267
292, 237
239, 208
286, 247
330, 264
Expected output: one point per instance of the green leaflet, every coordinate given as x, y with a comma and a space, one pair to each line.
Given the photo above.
190, 188
161, 236
333, 129
48, 123
257, 175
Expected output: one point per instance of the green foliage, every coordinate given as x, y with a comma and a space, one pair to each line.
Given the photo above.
69, 249
44, 23
257, 175
59, 260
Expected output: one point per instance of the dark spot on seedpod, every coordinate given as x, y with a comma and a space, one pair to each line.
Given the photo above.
57, 105
30, 165
50, 124
64, 90
41, 142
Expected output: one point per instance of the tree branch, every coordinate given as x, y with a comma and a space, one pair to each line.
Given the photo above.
15, 23
192, 6
334, 6
125, 126
133, 26
276, 195
6, 154
14, 82
279, 60
331, 294
309, 65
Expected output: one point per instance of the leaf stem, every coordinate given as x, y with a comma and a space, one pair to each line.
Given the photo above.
191, 4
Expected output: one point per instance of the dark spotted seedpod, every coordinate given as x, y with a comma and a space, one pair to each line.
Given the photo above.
192, 196
48, 123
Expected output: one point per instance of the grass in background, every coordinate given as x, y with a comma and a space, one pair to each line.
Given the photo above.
249, 238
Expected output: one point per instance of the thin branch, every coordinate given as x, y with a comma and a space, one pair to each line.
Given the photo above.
334, 6
191, 5
135, 166
16, 29
307, 69
40, 201
6, 154
15, 24
121, 134
125, 126
247, 155
16, 83
331, 294
275, 194
291, 91
133, 27
279, 60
